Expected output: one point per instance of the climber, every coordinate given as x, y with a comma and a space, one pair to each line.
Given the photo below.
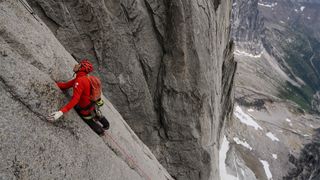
81, 98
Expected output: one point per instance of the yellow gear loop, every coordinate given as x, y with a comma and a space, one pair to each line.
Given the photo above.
100, 102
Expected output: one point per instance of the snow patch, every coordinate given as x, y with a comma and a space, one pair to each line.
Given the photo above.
268, 5
275, 156
296, 10
245, 118
281, 22
242, 172
265, 5
272, 137
299, 131
243, 143
222, 161
309, 17
302, 8
311, 125
242, 53
250, 110
306, 135
300, 80
266, 169
289, 121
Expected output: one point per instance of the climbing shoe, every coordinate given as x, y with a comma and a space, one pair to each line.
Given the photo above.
105, 123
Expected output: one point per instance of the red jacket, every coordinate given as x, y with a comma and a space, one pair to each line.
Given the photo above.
81, 92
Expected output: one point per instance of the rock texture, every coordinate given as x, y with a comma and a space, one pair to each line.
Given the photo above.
32, 148
166, 65
247, 26
307, 165
315, 103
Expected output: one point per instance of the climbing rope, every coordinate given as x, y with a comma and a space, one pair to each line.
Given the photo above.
29, 9
129, 158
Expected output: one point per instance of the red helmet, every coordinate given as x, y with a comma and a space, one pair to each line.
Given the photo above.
86, 66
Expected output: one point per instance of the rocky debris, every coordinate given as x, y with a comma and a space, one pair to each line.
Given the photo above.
166, 65
32, 147
283, 131
307, 165
315, 103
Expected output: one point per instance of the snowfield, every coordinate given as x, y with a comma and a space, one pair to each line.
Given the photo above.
242, 53
243, 143
222, 161
268, 5
245, 118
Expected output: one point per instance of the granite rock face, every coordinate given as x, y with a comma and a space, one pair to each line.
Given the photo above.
166, 65
33, 148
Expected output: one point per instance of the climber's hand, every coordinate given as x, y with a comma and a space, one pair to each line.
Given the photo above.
54, 116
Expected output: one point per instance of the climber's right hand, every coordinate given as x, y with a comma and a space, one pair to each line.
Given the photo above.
54, 116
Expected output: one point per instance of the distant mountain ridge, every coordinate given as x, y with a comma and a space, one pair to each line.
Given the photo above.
277, 91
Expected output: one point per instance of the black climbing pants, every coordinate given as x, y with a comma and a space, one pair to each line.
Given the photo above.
92, 120
94, 126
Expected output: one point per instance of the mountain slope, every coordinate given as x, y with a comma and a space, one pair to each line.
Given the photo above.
276, 84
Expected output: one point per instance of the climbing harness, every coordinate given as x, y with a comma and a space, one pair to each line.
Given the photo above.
30, 10
88, 117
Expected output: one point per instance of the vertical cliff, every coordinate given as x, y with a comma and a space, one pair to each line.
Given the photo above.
166, 65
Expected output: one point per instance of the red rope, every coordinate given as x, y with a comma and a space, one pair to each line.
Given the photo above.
129, 157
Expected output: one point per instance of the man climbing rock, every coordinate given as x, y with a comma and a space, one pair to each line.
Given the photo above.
81, 98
